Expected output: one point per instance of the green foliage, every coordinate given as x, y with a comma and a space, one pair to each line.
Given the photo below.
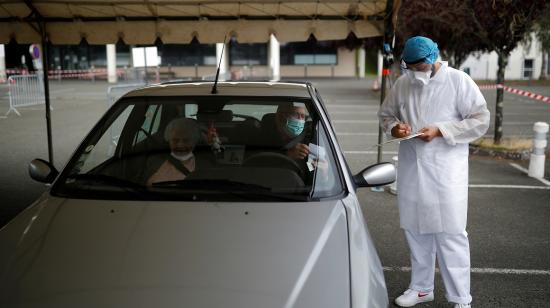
445, 22
542, 29
461, 27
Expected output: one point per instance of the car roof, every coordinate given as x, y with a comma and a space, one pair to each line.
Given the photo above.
231, 88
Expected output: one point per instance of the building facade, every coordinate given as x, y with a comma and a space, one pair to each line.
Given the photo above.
524, 63
194, 60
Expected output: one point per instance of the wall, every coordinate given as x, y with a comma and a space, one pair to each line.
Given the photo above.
346, 67
484, 66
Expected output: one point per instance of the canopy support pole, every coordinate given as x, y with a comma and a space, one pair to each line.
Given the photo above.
388, 37
45, 64
39, 19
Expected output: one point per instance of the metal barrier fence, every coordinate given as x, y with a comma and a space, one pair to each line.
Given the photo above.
25, 90
222, 77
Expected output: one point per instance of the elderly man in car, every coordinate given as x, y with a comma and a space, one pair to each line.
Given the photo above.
182, 134
293, 135
290, 121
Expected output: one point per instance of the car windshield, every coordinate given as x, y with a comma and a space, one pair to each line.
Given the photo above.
205, 148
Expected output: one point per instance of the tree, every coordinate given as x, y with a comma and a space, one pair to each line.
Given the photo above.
500, 25
445, 22
542, 33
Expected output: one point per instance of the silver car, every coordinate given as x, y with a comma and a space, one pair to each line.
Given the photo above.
179, 197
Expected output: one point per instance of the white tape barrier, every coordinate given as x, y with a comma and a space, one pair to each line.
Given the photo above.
516, 91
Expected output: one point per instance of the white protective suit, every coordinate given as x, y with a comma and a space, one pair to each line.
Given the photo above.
433, 176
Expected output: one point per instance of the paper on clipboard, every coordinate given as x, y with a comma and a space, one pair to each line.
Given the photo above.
398, 139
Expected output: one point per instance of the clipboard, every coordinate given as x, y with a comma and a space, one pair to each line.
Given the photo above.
398, 139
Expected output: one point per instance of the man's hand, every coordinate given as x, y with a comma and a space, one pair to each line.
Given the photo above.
429, 133
401, 130
300, 151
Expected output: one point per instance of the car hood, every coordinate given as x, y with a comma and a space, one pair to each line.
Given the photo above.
93, 253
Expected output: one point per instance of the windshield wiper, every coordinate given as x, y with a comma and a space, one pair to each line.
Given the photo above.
107, 180
210, 184
234, 188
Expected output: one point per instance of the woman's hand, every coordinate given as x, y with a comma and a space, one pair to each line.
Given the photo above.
401, 130
429, 133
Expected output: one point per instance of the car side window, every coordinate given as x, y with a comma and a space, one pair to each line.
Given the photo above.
105, 147
327, 181
150, 124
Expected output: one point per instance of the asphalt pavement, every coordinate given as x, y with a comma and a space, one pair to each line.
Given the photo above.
509, 213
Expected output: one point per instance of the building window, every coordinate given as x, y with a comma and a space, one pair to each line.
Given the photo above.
123, 57
247, 54
188, 54
73, 57
311, 52
528, 68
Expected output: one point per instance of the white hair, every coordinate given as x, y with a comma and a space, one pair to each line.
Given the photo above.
189, 126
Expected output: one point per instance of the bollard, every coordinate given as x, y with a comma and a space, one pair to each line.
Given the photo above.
393, 186
536, 162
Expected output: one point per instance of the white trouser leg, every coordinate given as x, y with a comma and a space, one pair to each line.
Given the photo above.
422, 247
453, 257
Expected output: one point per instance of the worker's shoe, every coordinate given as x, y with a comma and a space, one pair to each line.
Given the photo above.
463, 306
412, 297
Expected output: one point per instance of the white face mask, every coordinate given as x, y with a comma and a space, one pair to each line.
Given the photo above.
183, 157
420, 77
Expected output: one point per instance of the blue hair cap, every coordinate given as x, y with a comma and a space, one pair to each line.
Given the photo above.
420, 49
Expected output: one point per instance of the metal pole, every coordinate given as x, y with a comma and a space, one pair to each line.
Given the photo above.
388, 36
145, 63
46, 49
382, 97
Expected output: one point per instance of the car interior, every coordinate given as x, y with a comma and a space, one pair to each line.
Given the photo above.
249, 152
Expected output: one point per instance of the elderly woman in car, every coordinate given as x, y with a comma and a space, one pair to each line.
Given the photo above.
182, 134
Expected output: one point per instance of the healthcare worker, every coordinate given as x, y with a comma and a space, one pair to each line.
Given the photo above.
446, 106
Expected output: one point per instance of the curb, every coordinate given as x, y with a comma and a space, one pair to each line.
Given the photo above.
501, 154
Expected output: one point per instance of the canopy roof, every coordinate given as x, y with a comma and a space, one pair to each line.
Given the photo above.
143, 21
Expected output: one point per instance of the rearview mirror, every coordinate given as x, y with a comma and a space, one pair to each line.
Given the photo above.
376, 175
42, 171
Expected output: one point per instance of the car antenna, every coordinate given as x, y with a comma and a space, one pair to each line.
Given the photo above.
215, 87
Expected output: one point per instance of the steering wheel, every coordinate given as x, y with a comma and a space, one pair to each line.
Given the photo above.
273, 159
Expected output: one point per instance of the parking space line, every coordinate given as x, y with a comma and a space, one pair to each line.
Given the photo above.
351, 106
355, 121
355, 134
520, 168
370, 152
515, 123
340, 112
479, 270
508, 186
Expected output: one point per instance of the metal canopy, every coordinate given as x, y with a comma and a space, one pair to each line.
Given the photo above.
209, 21
142, 22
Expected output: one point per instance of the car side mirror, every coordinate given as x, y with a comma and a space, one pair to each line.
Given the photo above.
376, 175
42, 171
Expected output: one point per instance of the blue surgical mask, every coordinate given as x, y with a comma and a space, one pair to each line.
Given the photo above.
294, 126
